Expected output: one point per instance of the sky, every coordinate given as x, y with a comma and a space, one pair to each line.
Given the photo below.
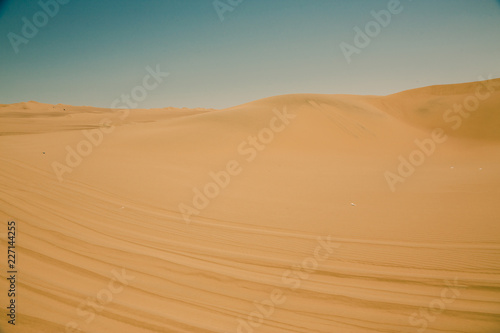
229, 52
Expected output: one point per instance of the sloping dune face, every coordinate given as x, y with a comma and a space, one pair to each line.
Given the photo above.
297, 213
469, 110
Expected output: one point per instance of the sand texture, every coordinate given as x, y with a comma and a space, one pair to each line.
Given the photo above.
287, 214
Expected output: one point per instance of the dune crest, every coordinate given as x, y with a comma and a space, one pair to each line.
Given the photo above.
467, 110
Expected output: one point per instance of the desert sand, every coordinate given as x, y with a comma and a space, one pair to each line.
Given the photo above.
287, 214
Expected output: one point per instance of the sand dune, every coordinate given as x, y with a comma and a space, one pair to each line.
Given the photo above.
280, 215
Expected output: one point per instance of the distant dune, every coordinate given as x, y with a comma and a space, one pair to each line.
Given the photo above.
295, 213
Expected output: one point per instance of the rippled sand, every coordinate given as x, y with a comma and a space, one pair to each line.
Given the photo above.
281, 215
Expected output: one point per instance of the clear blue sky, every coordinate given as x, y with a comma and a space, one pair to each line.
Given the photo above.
93, 51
